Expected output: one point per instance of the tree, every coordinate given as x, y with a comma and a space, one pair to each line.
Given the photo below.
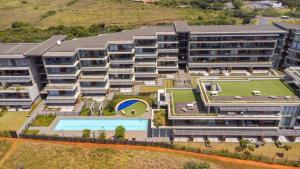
195, 165
120, 132
86, 133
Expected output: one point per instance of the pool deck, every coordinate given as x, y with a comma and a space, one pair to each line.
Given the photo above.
138, 135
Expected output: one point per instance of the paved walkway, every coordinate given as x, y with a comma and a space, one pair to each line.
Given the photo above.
157, 149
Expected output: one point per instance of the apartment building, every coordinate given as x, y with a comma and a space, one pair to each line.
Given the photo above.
232, 108
93, 66
291, 48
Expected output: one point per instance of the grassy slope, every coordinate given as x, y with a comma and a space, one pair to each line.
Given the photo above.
4, 146
45, 155
12, 120
267, 88
87, 12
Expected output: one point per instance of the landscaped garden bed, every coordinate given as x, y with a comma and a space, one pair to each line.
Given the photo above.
161, 118
43, 120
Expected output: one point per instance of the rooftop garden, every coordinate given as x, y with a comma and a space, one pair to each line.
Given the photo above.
245, 88
43, 120
184, 95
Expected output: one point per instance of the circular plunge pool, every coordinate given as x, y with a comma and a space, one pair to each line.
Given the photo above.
132, 107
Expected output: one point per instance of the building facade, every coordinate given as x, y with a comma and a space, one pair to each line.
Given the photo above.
63, 70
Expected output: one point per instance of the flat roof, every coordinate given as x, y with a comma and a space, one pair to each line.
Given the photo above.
235, 29
43, 47
287, 26
16, 48
181, 26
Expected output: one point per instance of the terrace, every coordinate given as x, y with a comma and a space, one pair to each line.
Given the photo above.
180, 98
247, 92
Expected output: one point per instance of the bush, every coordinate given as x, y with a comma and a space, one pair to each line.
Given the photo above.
207, 143
85, 112
195, 165
120, 132
244, 143
86, 133
5, 134
251, 147
31, 132
48, 14
102, 136
287, 147
18, 24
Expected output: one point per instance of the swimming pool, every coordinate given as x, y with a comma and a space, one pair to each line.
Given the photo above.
102, 124
126, 104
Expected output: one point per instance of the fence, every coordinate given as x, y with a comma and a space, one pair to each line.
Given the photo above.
169, 145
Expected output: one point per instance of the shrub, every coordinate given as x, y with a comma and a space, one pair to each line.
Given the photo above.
31, 132
3, 110
48, 14
120, 132
85, 112
251, 147
18, 24
196, 165
86, 133
238, 149
244, 143
207, 143
102, 136
5, 134
287, 147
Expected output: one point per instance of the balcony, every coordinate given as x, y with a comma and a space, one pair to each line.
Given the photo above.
168, 58
231, 64
61, 86
102, 67
94, 78
121, 71
63, 75
63, 64
120, 60
125, 82
95, 89
145, 64
14, 78
93, 58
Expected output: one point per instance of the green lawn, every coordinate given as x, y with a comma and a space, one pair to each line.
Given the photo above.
184, 95
138, 107
12, 120
43, 120
244, 88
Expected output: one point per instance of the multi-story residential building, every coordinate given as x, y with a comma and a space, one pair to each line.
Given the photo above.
93, 66
291, 49
233, 108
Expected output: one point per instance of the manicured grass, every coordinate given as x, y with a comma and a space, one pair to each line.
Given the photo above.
12, 120
43, 120
4, 146
44, 155
138, 107
268, 150
244, 88
184, 95
88, 12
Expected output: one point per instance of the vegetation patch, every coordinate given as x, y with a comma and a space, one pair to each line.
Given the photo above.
85, 112
48, 14
43, 120
12, 120
31, 132
4, 146
161, 118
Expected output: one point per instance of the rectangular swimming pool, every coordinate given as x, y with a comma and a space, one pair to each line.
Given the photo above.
101, 124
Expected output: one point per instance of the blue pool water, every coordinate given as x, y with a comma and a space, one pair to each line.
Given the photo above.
126, 104
102, 124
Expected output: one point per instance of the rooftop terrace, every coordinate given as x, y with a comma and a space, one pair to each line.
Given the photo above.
245, 88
